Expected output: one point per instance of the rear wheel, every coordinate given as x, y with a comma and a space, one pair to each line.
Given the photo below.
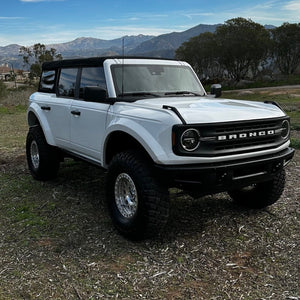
42, 159
262, 194
138, 204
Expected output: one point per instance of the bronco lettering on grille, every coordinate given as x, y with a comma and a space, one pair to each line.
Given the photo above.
236, 136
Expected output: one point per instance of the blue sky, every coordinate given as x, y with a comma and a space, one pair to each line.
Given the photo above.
27, 22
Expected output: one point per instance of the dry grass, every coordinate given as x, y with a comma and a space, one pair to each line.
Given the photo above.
14, 97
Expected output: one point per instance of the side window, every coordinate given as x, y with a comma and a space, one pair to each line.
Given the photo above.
47, 81
93, 76
67, 82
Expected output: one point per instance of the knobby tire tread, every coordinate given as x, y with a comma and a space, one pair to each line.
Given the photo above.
154, 205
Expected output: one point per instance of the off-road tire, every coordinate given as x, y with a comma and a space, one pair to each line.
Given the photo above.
150, 200
260, 195
42, 159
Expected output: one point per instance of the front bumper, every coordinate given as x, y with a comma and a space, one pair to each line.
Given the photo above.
218, 177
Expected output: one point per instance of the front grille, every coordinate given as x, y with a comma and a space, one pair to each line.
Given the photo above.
238, 137
247, 127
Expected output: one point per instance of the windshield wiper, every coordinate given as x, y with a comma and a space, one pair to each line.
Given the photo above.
138, 94
183, 93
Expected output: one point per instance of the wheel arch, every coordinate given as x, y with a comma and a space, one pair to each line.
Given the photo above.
36, 119
119, 141
32, 119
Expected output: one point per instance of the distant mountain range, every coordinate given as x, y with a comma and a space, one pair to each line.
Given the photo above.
163, 45
91, 46
166, 44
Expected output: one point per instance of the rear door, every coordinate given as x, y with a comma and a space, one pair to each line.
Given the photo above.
57, 108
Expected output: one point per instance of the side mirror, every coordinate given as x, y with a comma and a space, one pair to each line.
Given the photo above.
216, 89
94, 94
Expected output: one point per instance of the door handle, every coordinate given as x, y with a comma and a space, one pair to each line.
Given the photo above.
75, 112
45, 107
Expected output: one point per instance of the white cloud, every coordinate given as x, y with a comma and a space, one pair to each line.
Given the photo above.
200, 14
293, 6
11, 18
273, 12
57, 35
112, 32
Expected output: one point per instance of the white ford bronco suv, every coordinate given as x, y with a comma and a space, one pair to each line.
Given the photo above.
150, 124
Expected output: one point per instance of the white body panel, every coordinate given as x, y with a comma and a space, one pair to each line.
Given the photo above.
55, 122
201, 110
151, 125
87, 130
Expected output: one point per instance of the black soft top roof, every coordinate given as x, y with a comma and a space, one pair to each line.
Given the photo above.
88, 62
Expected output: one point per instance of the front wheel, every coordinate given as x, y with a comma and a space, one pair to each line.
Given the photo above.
138, 205
262, 194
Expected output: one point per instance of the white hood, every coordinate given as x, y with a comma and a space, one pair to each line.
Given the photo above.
211, 110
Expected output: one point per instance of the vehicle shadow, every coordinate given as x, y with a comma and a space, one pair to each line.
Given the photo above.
195, 216
84, 186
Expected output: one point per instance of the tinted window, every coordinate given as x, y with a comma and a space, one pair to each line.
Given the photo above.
92, 77
67, 82
47, 81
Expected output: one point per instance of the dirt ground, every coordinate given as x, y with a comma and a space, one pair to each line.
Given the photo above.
57, 242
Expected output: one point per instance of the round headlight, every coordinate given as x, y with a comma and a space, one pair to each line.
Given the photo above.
285, 129
190, 139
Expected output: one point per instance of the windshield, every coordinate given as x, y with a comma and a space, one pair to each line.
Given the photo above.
155, 80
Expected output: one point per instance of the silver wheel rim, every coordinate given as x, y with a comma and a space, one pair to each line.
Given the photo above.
34, 153
126, 195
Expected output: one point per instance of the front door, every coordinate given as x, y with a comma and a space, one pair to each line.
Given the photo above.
88, 119
88, 123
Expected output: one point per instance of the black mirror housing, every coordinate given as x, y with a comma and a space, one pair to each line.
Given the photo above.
216, 89
94, 94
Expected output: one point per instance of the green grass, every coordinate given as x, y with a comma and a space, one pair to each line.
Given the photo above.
278, 81
282, 96
283, 80
12, 109
295, 143
13, 130
21, 207
295, 119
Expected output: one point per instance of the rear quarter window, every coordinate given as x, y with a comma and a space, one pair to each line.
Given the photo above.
47, 82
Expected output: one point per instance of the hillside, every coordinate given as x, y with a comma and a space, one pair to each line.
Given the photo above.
91, 46
163, 45
168, 43
145, 45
